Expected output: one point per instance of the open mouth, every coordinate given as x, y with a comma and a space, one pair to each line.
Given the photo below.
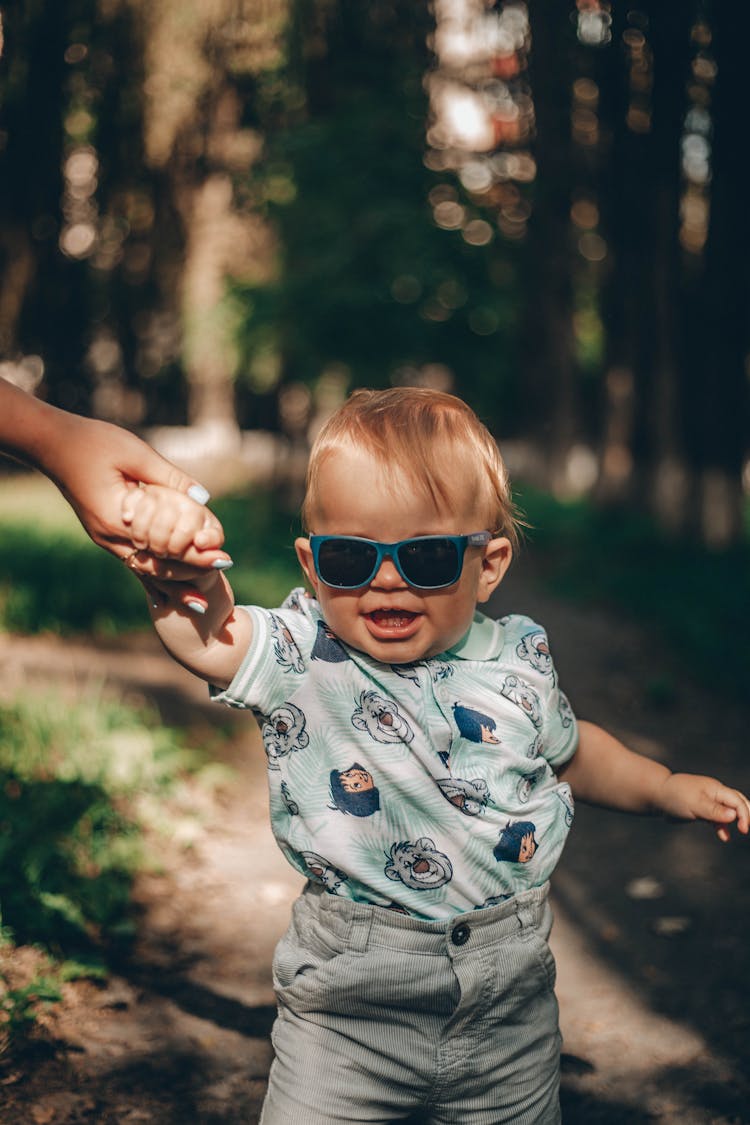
392, 622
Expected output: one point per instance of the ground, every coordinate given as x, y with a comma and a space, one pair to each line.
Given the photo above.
653, 966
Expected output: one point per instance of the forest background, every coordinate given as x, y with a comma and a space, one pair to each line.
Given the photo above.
216, 218
219, 216
228, 213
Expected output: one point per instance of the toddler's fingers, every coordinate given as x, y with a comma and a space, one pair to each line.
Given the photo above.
133, 497
148, 566
730, 806
211, 533
180, 536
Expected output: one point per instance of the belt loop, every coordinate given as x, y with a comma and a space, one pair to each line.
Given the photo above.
359, 930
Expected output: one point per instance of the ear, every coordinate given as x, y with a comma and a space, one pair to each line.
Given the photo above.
495, 562
305, 559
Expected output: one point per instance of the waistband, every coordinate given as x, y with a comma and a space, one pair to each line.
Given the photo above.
361, 924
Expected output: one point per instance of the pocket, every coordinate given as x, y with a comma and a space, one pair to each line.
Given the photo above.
545, 957
523, 970
301, 959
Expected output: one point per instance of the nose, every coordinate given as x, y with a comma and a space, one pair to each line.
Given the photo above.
387, 577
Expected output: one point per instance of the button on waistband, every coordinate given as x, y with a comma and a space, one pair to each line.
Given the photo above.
460, 935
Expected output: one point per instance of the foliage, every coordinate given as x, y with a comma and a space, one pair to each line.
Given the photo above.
368, 282
20, 1006
688, 592
72, 775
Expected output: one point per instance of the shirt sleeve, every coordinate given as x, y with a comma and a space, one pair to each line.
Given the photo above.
275, 661
555, 721
560, 731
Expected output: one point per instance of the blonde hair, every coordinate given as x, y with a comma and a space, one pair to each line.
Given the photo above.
434, 439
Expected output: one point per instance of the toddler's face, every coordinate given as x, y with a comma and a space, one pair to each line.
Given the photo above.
389, 620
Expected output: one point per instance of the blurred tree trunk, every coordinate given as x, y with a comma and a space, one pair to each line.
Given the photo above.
623, 206
42, 303
717, 387
643, 459
549, 393
200, 60
667, 485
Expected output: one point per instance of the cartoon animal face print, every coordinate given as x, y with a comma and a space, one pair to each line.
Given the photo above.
328, 647
474, 725
535, 747
294, 601
381, 719
354, 791
565, 710
517, 842
283, 732
438, 669
419, 865
321, 871
565, 794
523, 695
291, 805
534, 649
288, 656
469, 796
527, 783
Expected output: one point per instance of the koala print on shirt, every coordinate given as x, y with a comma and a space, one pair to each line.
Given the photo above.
470, 797
523, 695
534, 649
419, 865
288, 656
284, 732
438, 669
565, 710
381, 719
527, 783
321, 871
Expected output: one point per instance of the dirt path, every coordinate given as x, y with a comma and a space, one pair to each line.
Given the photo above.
654, 969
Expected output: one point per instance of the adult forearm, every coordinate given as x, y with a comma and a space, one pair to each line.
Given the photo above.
28, 426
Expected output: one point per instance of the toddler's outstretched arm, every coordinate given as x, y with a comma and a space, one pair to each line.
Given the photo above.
192, 609
604, 772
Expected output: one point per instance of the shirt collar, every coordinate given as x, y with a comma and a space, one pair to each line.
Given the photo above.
483, 641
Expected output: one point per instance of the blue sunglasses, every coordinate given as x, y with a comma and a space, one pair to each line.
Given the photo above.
428, 562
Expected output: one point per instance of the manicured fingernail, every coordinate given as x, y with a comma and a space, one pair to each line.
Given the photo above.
197, 607
198, 493
222, 564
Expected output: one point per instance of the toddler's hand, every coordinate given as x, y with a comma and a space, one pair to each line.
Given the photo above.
175, 539
687, 796
166, 523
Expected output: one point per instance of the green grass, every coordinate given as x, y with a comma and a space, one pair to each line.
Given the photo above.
77, 780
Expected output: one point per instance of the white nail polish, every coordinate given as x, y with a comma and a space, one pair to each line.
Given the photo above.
197, 607
222, 564
198, 493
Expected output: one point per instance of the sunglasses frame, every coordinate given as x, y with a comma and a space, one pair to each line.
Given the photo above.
390, 550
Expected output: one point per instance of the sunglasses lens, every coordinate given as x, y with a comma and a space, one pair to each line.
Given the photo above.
346, 563
430, 562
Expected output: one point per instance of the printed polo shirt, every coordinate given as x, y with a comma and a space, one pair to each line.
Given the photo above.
428, 788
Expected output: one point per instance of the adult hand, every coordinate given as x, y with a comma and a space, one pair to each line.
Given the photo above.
95, 464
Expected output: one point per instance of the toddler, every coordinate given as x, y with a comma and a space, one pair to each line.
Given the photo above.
422, 763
